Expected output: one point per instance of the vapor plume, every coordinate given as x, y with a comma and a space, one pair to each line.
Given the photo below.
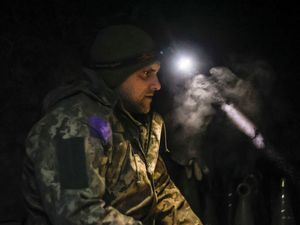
240, 99
195, 106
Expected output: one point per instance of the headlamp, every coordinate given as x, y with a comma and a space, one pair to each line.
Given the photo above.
185, 64
182, 61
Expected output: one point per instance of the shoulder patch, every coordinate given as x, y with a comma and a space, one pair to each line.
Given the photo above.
72, 163
100, 127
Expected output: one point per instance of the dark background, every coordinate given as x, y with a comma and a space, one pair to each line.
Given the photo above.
42, 44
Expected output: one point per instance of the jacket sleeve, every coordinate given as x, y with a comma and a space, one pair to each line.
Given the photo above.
172, 208
68, 167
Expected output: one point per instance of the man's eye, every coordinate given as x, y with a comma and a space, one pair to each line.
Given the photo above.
146, 74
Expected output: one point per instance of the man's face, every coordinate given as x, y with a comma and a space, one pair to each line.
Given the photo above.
139, 88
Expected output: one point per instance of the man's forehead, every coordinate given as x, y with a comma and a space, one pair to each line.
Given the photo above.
154, 66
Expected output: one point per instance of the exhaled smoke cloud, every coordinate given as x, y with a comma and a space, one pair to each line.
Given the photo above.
246, 93
192, 114
194, 108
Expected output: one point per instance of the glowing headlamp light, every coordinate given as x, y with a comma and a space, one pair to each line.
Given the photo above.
185, 64
183, 60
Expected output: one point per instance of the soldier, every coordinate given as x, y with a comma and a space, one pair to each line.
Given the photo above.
94, 156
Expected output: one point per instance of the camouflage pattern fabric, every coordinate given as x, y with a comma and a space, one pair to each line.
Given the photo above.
86, 163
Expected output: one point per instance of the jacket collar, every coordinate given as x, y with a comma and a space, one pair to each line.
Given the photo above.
99, 89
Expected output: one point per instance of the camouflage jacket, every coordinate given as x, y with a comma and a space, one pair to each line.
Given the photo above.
90, 162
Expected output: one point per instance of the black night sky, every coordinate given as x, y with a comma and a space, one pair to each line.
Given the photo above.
43, 43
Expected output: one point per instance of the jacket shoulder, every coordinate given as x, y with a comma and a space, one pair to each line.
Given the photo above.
69, 118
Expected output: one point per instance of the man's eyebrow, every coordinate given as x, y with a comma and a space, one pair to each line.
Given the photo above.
150, 70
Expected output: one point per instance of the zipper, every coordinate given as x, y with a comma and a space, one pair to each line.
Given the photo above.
145, 158
150, 177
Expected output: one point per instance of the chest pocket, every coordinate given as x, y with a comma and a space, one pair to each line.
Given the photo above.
127, 170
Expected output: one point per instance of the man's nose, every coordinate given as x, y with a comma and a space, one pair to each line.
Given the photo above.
155, 84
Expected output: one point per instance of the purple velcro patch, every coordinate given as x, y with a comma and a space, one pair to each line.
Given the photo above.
100, 128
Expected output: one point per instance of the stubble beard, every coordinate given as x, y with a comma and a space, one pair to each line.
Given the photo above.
145, 105
141, 106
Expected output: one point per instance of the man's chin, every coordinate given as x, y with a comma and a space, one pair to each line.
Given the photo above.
144, 109
141, 108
